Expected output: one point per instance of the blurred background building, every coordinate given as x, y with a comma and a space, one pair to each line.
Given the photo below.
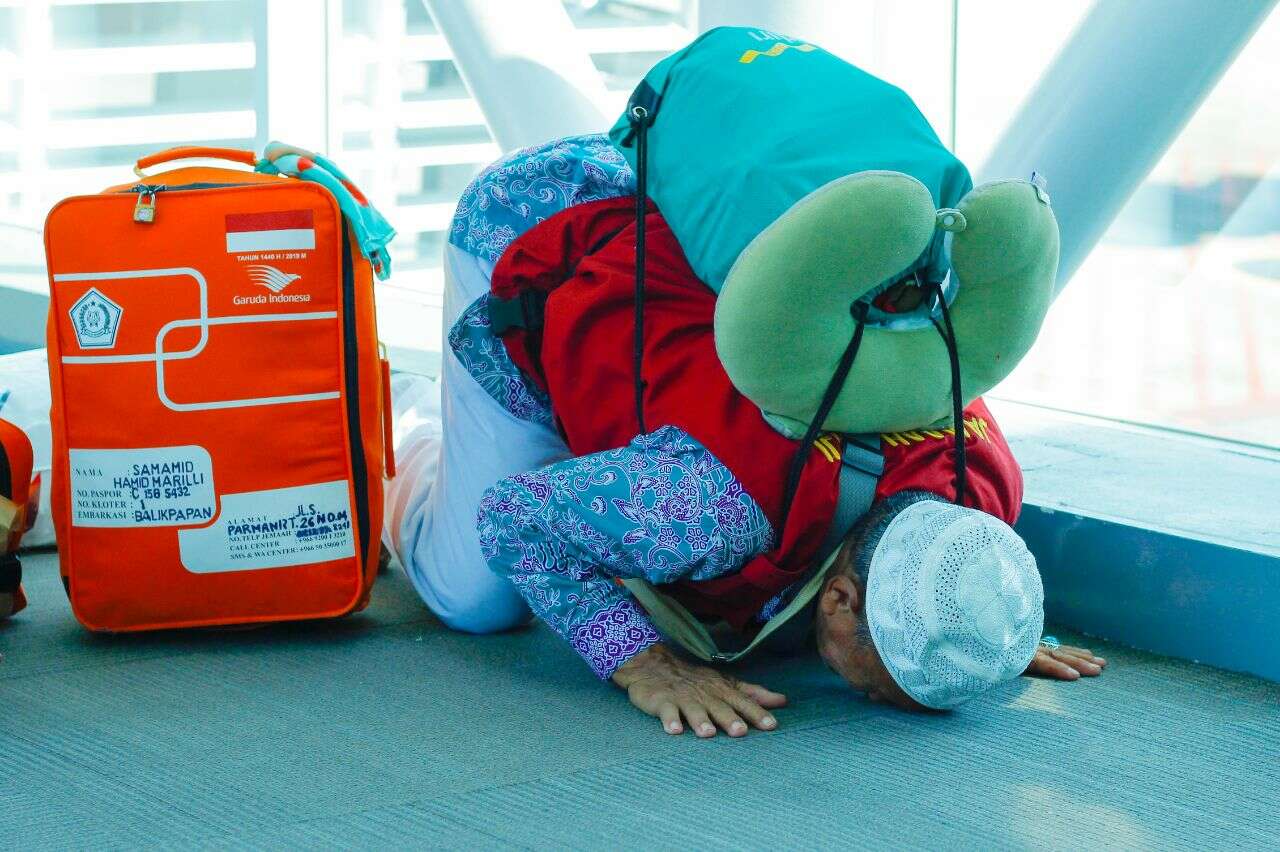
1170, 321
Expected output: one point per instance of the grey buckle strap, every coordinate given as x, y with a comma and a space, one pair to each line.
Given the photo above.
860, 469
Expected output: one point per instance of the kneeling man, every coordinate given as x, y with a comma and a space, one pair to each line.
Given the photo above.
602, 525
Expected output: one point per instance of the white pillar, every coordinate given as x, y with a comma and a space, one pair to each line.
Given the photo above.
1113, 101
295, 61
525, 67
386, 97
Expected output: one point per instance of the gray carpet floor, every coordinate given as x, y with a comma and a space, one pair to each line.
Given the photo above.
387, 730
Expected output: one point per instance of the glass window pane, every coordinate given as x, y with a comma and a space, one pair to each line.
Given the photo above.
411, 135
87, 88
1172, 319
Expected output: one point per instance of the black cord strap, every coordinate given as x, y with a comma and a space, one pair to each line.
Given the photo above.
957, 397
829, 396
640, 120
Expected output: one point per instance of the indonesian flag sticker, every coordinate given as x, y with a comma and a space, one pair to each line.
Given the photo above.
282, 230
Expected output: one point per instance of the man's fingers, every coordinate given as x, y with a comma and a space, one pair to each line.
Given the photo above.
1080, 664
763, 697
1082, 653
696, 715
729, 721
669, 713
751, 711
1046, 665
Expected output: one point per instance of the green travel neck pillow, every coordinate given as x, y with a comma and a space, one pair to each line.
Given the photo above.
783, 317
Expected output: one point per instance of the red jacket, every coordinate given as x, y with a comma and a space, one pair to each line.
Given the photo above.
585, 256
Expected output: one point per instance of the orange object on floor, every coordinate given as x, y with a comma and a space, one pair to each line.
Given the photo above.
19, 497
218, 400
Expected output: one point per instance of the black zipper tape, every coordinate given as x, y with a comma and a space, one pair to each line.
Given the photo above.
152, 188
351, 362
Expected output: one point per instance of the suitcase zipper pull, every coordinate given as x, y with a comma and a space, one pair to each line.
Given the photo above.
145, 209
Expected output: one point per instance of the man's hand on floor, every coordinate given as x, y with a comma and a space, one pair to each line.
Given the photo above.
664, 685
1065, 663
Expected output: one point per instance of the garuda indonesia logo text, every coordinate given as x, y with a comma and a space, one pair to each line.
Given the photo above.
273, 279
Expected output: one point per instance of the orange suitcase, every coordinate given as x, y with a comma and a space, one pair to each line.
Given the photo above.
218, 400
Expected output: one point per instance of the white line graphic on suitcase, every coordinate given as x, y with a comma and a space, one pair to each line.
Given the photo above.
203, 322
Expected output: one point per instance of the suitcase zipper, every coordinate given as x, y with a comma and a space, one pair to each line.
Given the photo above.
145, 210
351, 357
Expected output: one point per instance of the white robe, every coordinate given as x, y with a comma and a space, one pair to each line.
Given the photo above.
452, 442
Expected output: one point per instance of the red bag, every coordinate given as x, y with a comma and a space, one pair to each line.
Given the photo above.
19, 496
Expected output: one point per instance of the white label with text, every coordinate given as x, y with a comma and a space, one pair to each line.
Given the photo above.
278, 528
143, 487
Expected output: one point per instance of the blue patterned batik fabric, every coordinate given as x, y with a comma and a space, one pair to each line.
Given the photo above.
662, 508
532, 185
485, 357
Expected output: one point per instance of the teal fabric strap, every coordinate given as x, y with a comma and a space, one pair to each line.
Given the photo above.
372, 231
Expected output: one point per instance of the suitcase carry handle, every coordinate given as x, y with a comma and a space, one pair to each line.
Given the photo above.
186, 152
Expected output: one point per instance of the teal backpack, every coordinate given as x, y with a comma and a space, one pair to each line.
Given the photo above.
801, 188
744, 123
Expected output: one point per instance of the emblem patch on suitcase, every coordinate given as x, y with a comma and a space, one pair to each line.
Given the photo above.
95, 319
